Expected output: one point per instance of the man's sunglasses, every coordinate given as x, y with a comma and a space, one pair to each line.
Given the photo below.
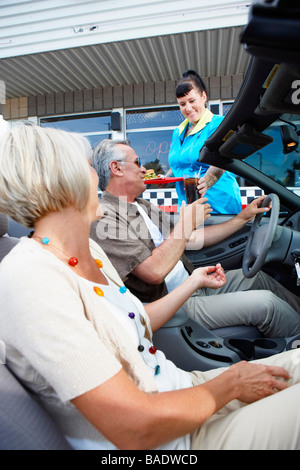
137, 162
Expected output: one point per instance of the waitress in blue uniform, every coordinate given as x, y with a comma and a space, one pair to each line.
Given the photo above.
219, 186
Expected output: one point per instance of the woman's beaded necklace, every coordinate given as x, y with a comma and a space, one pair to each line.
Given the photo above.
136, 318
73, 262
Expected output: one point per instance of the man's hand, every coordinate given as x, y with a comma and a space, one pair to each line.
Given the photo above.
212, 277
193, 215
253, 209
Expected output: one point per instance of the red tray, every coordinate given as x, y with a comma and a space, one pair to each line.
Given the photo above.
163, 180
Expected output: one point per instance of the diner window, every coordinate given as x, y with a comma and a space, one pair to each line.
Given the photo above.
150, 134
220, 107
95, 127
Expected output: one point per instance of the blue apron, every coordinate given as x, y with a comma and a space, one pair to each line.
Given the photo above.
224, 197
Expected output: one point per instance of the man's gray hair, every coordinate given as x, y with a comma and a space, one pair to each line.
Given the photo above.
104, 153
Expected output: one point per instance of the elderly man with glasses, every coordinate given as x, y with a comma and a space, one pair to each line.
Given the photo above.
148, 251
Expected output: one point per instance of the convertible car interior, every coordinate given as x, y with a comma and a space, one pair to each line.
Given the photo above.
268, 100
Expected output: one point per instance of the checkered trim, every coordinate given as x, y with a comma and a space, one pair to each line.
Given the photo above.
167, 199
249, 193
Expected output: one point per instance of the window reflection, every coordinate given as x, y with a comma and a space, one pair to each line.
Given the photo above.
95, 127
270, 160
80, 123
153, 148
150, 134
151, 118
95, 139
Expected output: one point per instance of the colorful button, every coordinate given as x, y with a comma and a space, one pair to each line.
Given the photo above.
45, 240
141, 348
131, 315
157, 370
123, 289
99, 291
99, 263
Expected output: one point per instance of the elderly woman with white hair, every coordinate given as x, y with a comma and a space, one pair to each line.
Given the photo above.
81, 342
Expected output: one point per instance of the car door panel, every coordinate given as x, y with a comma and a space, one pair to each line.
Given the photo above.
228, 252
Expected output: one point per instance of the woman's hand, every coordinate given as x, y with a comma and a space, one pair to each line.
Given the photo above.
202, 186
210, 178
256, 381
212, 277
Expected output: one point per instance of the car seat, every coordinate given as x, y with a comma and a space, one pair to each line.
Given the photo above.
24, 425
6, 242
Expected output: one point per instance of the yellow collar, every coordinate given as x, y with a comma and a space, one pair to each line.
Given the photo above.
205, 118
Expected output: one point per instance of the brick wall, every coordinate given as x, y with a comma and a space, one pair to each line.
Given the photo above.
107, 98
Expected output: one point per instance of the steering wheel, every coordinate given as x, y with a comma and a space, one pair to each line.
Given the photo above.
260, 238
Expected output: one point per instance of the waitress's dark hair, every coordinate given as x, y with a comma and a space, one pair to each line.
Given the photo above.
190, 79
